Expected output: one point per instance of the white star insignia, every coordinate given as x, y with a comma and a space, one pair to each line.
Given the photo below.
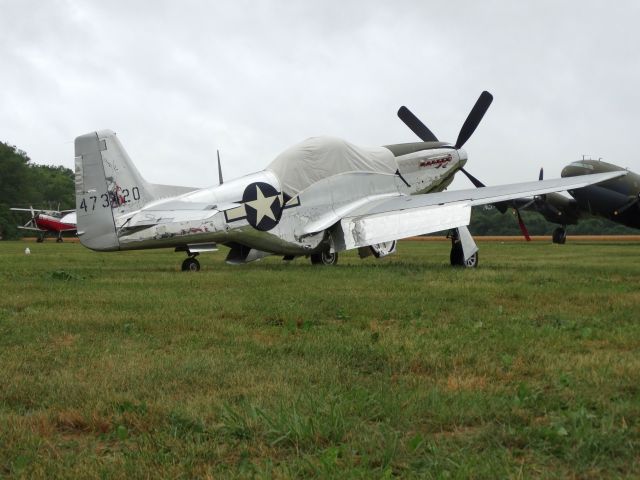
262, 205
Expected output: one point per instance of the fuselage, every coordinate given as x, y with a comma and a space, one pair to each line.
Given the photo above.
614, 199
253, 210
52, 223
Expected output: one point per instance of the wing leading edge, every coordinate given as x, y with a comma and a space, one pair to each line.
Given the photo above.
406, 216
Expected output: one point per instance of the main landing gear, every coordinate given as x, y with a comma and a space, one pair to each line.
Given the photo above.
324, 258
456, 257
191, 264
559, 235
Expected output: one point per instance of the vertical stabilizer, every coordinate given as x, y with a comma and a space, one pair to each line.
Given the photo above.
108, 186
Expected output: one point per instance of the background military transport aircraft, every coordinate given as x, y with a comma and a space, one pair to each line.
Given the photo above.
617, 199
319, 197
49, 221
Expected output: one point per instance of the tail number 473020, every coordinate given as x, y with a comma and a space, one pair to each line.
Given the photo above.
113, 199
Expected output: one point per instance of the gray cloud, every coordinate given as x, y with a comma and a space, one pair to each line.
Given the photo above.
177, 80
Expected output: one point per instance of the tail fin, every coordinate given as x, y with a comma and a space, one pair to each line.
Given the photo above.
107, 186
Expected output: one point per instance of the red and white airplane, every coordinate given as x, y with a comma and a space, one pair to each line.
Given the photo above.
49, 221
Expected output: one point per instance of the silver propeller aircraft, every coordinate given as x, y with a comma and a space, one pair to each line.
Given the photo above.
316, 199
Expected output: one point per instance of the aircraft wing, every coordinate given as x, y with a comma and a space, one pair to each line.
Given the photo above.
34, 229
408, 215
35, 210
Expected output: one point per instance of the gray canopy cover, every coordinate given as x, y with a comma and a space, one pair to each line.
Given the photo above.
320, 157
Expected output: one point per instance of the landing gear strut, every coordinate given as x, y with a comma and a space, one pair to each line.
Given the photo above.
559, 235
456, 257
191, 264
59, 239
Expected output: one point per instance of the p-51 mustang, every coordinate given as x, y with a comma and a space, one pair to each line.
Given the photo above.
617, 199
49, 221
316, 199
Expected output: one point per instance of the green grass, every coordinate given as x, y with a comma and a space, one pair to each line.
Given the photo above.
117, 365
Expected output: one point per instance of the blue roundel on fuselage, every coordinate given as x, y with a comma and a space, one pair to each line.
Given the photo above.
263, 205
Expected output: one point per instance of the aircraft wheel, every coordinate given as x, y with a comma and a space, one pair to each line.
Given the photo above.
324, 258
40, 239
559, 236
472, 261
59, 240
190, 265
456, 257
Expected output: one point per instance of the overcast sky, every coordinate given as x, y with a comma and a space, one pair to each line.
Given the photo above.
179, 79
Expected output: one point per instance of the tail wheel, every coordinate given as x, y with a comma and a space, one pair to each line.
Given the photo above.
190, 265
324, 258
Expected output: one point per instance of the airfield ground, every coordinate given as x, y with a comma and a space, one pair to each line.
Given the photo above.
117, 365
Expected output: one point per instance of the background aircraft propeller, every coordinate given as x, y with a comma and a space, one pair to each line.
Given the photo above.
538, 200
633, 202
523, 227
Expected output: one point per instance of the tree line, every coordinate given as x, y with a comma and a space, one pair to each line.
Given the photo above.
487, 220
25, 184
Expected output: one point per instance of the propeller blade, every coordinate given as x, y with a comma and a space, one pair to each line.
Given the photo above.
523, 227
474, 180
541, 174
416, 126
473, 119
219, 168
627, 206
501, 206
550, 206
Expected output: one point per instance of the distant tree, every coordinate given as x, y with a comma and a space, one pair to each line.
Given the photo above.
487, 220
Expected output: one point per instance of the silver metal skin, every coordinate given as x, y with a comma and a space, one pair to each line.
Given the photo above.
118, 210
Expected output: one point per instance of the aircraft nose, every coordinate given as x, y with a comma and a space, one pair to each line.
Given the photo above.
573, 171
462, 156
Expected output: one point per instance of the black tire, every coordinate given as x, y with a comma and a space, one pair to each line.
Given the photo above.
324, 258
59, 240
190, 265
559, 236
40, 239
456, 257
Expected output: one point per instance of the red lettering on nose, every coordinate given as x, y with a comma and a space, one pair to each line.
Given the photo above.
438, 162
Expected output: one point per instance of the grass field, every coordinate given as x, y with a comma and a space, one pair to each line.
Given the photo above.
117, 365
